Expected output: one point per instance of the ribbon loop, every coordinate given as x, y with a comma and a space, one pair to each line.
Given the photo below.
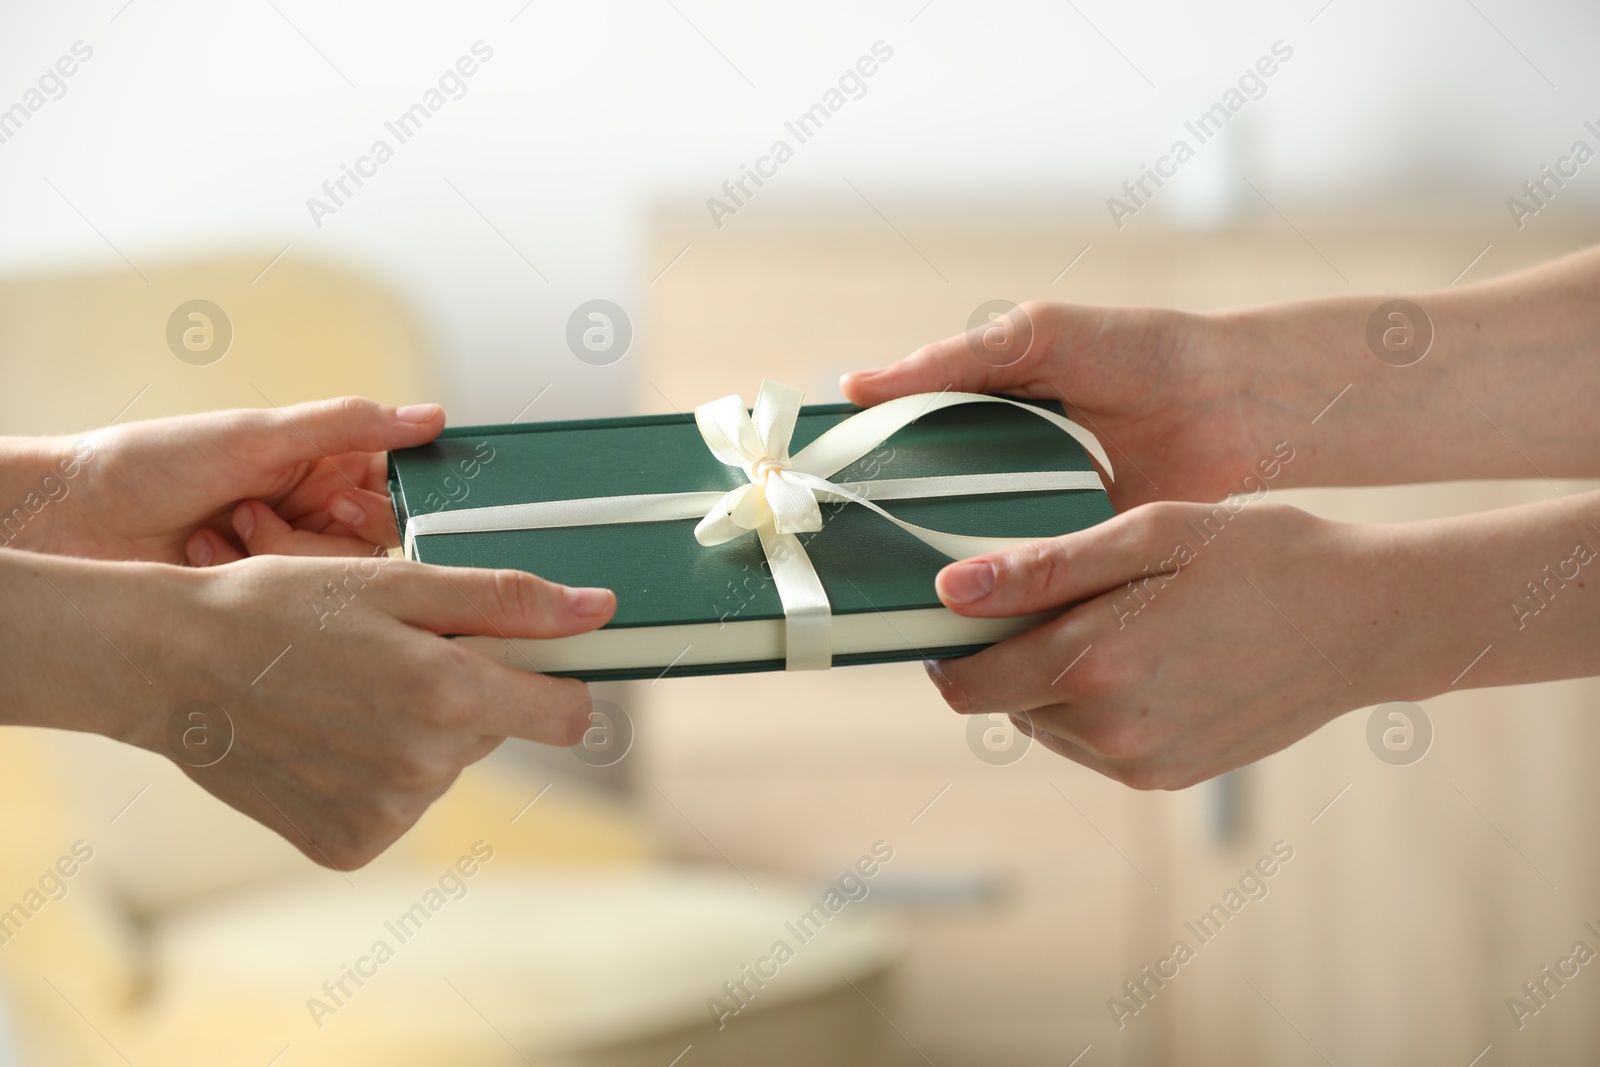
777, 409
728, 431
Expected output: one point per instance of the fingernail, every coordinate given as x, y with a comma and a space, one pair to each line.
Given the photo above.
587, 600
962, 583
860, 375
417, 412
202, 552
347, 511
244, 522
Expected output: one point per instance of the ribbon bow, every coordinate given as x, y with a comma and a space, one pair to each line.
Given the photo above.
781, 497
758, 443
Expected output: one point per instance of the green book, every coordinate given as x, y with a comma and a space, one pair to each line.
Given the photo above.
685, 609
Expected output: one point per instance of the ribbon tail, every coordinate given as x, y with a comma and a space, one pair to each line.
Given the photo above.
807, 616
793, 504
730, 517
956, 546
853, 438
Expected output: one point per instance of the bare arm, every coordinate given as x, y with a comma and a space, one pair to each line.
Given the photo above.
1507, 389
1189, 405
1205, 636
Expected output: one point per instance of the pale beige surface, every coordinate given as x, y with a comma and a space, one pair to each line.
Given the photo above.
1405, 920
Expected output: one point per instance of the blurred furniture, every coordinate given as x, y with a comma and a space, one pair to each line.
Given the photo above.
191, 934
78, 350
1419, 899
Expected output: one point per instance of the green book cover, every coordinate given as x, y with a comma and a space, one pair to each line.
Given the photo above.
872, 571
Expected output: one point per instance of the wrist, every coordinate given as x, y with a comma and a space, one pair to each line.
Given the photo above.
73, 632
1520, 584
1393, 577
37, 476
1357, 411
1489, 599
165, 631
1431, 387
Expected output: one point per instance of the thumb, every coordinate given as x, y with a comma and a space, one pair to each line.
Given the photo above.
348, 424
1059, 571
1004, 353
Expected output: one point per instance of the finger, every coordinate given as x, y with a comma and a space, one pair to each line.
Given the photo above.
375, 477
1117, 747
1063, 728
556, 711
499, 701
1006, 354
1039, 726
1036, 669
1053, 725
264, 533
535, 707
491, 603
1075, 689
1142, 544
207, 548
325, 428
367, 515
481, 749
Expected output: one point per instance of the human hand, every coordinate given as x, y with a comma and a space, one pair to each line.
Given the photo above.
349, 715
1202, 638
1152, 384
1171, 402
310, 479
1186, 403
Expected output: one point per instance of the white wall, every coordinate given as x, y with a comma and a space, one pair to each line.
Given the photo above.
201, 126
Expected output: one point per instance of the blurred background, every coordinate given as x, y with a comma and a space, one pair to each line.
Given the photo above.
540, 157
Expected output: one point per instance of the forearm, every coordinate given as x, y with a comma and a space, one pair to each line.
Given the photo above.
1506, 390
73, 648
1496, 598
